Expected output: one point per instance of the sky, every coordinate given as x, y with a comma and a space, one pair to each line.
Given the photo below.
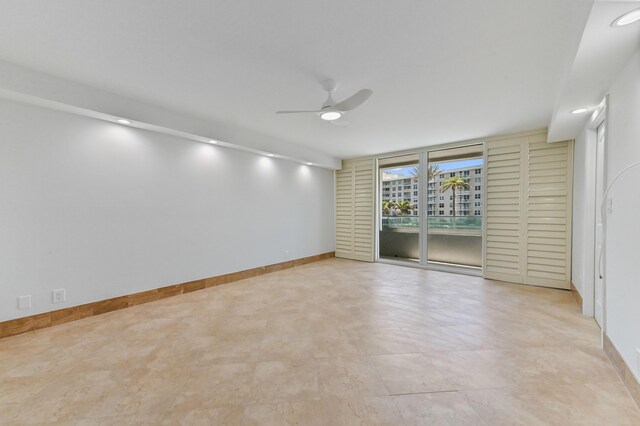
406, 171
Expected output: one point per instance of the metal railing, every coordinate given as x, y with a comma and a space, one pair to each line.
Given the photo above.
451, 240
433, 222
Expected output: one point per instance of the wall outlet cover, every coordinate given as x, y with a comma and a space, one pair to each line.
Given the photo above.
58, 295
24, 302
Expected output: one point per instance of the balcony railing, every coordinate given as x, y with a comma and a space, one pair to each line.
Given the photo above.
451, 240
434, 222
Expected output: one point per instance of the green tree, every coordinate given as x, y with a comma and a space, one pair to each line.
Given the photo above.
454, 184
404, 207
388, 207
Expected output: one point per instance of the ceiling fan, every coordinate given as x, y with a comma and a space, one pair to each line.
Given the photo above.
332, 110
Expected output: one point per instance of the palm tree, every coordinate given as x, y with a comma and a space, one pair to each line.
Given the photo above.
454, 183
387, 207
404, 207
432, 171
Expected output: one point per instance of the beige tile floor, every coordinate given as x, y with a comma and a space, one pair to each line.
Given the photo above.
331, 343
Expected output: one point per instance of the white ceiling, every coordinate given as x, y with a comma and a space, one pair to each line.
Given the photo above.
440, 70
602, 54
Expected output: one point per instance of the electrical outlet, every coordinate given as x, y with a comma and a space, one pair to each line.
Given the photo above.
58, 296
286, 254
610, 205
24, 302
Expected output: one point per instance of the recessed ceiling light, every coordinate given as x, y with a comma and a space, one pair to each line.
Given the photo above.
309, 164
331, 115
213, 142
627, 18
579, 111
123, 121
270, 155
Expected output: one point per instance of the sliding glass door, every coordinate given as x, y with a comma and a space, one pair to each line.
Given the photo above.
431, 207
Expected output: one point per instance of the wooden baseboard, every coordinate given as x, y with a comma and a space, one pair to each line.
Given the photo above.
623, 370
48, 319
576, 295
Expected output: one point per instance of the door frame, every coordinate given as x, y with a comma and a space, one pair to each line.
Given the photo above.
599, 118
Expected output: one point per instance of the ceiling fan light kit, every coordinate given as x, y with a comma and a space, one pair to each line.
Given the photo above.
331, 115
331, 110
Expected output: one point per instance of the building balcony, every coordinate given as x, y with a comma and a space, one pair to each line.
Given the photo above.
451, 240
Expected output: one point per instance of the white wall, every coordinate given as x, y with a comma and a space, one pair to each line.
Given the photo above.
582, 263
623, 224
104, 210
622, 262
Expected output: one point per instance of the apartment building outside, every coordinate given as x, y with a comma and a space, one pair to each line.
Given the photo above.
398, 187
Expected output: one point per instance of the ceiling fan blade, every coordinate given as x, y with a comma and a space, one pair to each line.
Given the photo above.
295, 112
353, 102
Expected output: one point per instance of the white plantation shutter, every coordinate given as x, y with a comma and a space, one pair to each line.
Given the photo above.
549, 217
528, 211
504, 247
355, 211
344, 211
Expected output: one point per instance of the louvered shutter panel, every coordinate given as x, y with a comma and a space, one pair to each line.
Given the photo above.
355, 210
549, 214
528, 211
344, 211
504, 247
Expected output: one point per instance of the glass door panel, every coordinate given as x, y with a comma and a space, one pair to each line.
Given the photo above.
399, 227
455, 192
